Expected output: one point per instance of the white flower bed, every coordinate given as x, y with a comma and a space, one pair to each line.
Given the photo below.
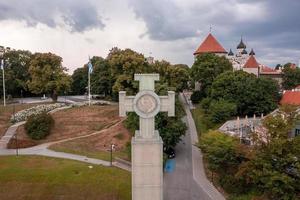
86, 103
24, 114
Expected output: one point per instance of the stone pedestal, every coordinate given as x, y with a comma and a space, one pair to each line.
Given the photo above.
147, 167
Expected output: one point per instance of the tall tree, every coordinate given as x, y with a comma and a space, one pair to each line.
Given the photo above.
249, 93
207, 67
16, 71
79, 81
291, 78
175, 76
101, 79
124, 64
48, 75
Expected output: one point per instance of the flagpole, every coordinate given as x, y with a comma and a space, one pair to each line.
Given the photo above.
89, 87
3, 77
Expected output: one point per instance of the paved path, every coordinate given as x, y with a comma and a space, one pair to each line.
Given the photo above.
209, 191
10, 132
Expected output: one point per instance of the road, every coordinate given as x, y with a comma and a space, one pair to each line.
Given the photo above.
187, 179
179, 184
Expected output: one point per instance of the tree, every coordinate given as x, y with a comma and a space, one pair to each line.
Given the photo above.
16, 71
275, 168
207, 67
251, 95
290, 78
79, 81
48, 75
175, 76
123, 65
221, 110
101, 80
220, 149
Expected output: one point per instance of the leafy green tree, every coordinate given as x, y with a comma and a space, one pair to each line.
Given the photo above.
222, 110
16, 72
79, 81
249, 93
207, 67
123, 65
220, 150
175, 76
275, 168
48, 75
290, 78
101, 80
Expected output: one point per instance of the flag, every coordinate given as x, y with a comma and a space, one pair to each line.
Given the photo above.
90, 66
2, 64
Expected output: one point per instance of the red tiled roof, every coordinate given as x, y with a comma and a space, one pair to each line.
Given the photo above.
251, 63
267, 69
291, 97
210, 45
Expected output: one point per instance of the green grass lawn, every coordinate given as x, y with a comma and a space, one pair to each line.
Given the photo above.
43, 178
67, 147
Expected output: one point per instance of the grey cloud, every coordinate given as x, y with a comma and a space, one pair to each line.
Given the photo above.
78, 15
278, 30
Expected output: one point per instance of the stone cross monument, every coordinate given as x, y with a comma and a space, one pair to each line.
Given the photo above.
147, 145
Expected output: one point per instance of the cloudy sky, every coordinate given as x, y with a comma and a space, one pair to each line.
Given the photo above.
169, 29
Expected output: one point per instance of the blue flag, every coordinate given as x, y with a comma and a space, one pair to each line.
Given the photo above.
2, 64
90, 66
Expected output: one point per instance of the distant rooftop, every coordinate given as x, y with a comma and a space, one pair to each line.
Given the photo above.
210, 45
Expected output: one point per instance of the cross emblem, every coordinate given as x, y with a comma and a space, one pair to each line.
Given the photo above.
146, 104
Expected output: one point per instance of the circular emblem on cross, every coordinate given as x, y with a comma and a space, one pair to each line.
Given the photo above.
146, 104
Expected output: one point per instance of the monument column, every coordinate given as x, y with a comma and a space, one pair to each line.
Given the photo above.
147, 145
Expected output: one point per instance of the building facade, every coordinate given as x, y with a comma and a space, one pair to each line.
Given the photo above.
241, 59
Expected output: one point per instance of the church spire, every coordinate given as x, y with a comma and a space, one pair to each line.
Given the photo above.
241, 44
252, 53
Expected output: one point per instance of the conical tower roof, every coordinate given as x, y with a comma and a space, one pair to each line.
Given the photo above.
210, 45
241, 45
230, 53
252, 53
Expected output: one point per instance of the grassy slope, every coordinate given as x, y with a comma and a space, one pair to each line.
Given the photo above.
7, 111
35, 178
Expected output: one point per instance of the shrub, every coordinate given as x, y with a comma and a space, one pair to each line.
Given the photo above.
39, 126
196, 96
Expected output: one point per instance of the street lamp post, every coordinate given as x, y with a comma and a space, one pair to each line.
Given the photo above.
112, 146
21, 96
